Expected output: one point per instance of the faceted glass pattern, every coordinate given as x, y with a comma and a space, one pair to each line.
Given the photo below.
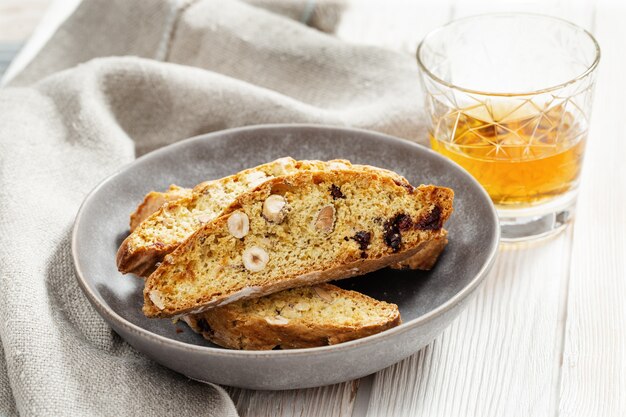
524, 146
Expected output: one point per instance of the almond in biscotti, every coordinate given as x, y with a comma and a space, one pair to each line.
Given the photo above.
254, 179
323, 294
275, 208
238, 224
155, 297
213, 268
255, 259
325, 219
277, 320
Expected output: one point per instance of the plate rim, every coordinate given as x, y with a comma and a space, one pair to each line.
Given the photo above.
113, 317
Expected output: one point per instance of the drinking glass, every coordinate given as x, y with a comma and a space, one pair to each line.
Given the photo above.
509, 99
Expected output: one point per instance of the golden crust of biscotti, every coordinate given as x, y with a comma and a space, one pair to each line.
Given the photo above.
153, 201
427, 257
174, 221
296, 318
207, 270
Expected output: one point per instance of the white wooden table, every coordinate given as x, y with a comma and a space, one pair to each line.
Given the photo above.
546, 334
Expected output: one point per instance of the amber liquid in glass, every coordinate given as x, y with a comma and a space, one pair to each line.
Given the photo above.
520, 161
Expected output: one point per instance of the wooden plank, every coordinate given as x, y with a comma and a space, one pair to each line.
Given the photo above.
500, 357
594, 361
18, 18
333, 400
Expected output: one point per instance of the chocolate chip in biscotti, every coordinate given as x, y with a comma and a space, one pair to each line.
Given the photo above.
363, 239
403, 221
431, 221
393, 239
393, 228
336, 192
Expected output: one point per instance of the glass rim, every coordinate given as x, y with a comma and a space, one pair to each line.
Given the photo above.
584, 74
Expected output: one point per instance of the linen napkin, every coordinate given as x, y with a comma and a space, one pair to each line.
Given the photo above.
118, 79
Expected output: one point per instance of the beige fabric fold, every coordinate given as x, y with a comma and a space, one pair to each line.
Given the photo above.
84, 108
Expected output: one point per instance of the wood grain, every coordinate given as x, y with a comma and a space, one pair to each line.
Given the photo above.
18, 18
501, 356
333, 400
594, 360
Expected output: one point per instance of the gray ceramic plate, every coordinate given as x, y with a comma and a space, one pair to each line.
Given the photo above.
428, 301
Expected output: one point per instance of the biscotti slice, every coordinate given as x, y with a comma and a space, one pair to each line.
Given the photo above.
296, 318
424, 260
176, 220
297, 230
154, 200
173, 222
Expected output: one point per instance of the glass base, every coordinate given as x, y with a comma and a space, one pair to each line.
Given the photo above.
517, 225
